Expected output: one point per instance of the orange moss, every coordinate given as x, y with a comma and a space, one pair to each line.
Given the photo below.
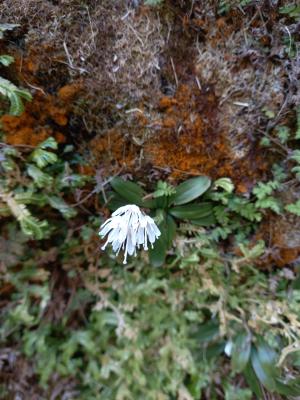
86, 170
40, 118
181, 142
189, 141
114, 151
58, 115
36, 123
69, 92
166, 102
286, 256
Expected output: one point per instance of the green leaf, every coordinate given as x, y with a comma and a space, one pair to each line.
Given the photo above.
16, 105
208, 352
170, 230
6, 60
33, 227
263, 190
49, 143
263, 359
25, 94
115, 201
289, 388
225, 184
241, 352
14, 94
157, 254
208, 220
253, 252
190, 190
293, 208
269, 202
30, 197
292, 10
40, 178
283, 133
163, 189
192, 211
208, 332
42, 157
252, 381
130, 191
59, 204
161, 202
295, 156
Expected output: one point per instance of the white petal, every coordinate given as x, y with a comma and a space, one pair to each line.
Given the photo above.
127, 229
140, 235
150, 233
130, 246
151, 222
105, 229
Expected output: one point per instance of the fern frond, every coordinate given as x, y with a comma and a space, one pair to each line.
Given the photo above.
294, 208
30, 225
60, 205
14, 95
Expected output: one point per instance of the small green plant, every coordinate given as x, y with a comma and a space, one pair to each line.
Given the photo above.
221, 210
167, 204
291, 10
40, 179
14, 95
7, 89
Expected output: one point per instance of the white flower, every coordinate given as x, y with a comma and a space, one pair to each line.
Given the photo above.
128, 229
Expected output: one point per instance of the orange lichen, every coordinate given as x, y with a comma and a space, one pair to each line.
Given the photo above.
36, 123
188, 140
69, 92
114, 151
41, 118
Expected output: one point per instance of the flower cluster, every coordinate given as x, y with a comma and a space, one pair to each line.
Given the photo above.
128, 229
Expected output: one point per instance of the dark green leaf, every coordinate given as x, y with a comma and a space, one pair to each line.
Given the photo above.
290, 388
16, 105
170, 230
190, 190
60, 205
209, 352
131, 192
192, 211
115, 201
157, 254
296, 283
241, 351
252, 381
208, 332
205, 221
161, 202
167, 228
263, 362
